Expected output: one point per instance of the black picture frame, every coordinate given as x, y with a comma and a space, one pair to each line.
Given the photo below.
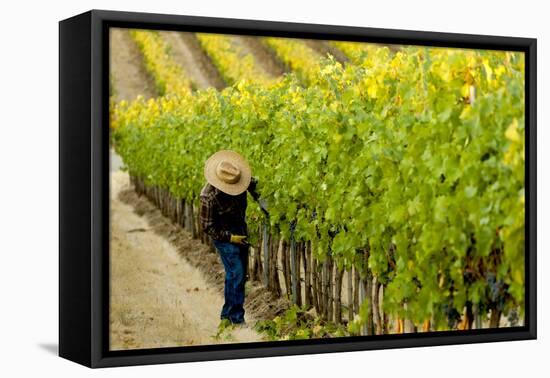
84, 188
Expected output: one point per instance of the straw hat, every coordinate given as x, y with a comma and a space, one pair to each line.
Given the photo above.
228, 171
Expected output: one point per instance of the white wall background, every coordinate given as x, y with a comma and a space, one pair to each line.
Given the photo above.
29, 186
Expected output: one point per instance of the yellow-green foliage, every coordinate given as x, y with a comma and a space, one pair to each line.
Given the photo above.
356, 51
300, 58
231, 60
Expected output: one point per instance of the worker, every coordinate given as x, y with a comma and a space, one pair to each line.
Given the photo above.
223, 203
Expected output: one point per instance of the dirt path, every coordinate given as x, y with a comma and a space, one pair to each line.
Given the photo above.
264, 58
188, 53
158, 299
127, 72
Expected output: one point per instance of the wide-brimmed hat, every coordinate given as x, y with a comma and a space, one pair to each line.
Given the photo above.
228, 171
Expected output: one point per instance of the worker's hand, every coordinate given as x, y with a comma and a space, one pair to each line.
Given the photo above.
238, 239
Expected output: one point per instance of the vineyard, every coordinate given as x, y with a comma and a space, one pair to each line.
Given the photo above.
394, 177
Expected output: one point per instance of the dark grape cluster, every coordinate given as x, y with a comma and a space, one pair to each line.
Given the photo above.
497, 291
417, 282
292, 226
513, 317
453, 316
469, 276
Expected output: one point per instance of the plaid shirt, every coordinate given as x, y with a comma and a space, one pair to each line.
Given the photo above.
222, 214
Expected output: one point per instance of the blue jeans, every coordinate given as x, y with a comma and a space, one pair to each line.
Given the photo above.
235, 261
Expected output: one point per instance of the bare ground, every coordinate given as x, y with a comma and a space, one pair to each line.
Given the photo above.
187, 52
128, 75
158, 298
265, 58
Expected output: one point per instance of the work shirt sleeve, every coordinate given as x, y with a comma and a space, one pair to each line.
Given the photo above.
208, 221
252, 188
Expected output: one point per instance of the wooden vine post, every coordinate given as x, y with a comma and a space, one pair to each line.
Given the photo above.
349, 274
265, 249
293, 265
298, 274
367, 282
285, 259
314, 283
362, 298
275, 285
306, 258
338, 294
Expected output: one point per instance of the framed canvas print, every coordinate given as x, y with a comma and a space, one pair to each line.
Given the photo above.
235, 188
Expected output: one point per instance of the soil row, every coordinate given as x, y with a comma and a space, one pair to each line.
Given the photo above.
128, 77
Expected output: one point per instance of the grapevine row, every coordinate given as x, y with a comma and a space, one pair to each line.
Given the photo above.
354, 50
295, 54
169, 77
231, 60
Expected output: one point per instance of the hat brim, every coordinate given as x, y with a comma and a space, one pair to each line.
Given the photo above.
237, 160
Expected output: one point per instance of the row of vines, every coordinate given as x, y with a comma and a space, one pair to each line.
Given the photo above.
395, 185
231, 60
169, 77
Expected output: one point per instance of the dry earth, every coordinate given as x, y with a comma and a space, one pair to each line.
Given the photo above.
127, 71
